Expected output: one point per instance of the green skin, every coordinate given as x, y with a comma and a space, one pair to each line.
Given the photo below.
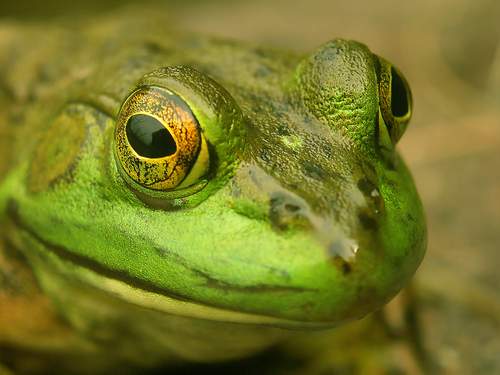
307, 217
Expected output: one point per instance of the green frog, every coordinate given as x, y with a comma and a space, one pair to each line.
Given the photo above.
173, 198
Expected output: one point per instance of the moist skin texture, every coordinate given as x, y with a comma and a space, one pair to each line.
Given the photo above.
300, 213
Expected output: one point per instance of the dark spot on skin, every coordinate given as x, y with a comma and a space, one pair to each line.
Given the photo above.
314, 171
264, 156
261, 52
292, 186
344, 266
366, 186
262, 71
16, 117
410, 217
46, 74
283, 130
162, 252
154, 47
367, 221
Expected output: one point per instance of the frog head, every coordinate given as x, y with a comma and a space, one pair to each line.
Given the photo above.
227, 182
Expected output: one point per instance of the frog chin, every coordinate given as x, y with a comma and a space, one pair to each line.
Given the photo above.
64, 275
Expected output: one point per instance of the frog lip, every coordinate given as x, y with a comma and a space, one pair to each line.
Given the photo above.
148, 295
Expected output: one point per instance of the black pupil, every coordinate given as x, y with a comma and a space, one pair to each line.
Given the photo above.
399, 95
149, 138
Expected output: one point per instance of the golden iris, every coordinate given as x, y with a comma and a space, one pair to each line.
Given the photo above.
158, 140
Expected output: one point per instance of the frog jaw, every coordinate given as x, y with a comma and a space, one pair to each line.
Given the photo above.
246, 269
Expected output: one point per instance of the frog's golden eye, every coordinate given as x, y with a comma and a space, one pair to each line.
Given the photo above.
395, 100
159, 144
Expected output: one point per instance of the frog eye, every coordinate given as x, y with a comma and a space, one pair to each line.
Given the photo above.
159, 144
395, 100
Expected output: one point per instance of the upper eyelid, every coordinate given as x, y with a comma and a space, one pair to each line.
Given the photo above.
103, 102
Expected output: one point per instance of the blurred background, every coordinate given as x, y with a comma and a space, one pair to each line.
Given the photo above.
450, 54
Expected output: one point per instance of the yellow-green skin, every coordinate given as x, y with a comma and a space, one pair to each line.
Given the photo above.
307, 217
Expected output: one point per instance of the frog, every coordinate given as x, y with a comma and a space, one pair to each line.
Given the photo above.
169, 197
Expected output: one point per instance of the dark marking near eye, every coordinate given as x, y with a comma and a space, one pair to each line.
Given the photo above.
368, 222
149, 138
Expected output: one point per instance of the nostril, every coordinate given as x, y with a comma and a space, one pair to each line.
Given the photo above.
399, 95
285, 212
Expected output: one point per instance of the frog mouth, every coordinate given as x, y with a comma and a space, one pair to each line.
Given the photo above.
119, 284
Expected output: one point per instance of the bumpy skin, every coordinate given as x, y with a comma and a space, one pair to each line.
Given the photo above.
307, 216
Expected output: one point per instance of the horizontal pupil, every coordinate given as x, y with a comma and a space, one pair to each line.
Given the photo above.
399, 96
149, 138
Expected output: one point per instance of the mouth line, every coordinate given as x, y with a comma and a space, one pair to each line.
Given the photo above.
151, 290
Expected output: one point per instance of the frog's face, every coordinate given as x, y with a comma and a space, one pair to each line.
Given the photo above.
232, 183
